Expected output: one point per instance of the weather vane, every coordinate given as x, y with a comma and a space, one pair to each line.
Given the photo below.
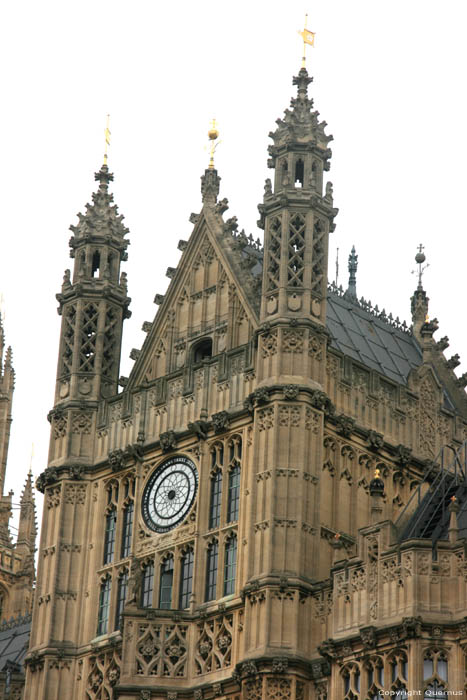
420, 259
213, 135
107, 139
308, 38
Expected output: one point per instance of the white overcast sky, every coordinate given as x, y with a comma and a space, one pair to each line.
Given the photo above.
389, 78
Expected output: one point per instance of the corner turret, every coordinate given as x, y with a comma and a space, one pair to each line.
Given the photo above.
297, 218
93, 303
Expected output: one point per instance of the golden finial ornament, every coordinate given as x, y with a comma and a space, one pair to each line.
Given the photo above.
308, 38
377, 474
213, 135
107, 139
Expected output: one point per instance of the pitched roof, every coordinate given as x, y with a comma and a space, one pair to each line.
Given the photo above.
378, 344
14, 641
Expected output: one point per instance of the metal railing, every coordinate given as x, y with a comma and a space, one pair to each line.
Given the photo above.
447, 471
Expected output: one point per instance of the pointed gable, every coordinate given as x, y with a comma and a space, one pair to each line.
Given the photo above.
210, 297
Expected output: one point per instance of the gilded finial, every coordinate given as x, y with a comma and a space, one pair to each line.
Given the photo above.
420, 259
213, 135
107, 139
308, 38
377, 474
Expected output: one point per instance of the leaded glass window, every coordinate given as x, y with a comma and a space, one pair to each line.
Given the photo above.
166, 582
127, 530
147, 585
234, 494
104, 607
186, 579
121, 597
230, 565
109, 536
216, 500
211, 571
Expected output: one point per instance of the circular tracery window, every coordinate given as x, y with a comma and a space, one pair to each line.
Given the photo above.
169, 494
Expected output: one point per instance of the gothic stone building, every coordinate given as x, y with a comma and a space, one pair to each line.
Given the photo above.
17, 572
273, 506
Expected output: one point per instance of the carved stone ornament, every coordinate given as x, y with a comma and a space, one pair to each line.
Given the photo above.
321, 401
368, 636
345, 425
221, 421
291, 391
411, 627
375, 440
200, 428
249, 669
116, 460
403, 455
168, 440
49, 476
280, 665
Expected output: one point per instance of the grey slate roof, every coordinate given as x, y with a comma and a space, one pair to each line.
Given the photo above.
371, 341
14, 641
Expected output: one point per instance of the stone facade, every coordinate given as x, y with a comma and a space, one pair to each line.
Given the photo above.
282, 571
17, 570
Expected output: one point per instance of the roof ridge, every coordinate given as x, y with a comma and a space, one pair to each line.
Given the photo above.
374, 311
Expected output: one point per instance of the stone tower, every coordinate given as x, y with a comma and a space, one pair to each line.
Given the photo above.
270, 508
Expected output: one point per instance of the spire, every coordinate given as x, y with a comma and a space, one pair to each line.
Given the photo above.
351, 292
101, 218
27, 530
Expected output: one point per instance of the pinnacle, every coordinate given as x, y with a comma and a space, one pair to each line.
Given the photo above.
210, 183
102, 215
9, 358
27, 495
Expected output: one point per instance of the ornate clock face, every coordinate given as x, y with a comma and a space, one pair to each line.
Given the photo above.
169, 494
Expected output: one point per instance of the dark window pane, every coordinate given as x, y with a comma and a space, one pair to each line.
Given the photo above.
230, 566
216, 500
127, 530
109, 536
211, 571
121, 597
148, 585
104, 605
234, 495
165, 592
186, 580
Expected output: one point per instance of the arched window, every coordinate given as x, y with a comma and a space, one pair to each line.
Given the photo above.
186, 579
96, 262
202, 350
234, 494
230, 565
435, 674
122, 589
166, 582
211, 571
109, 535
351, 681
299, 173
398, 673
216, 500
127, 529
233, 498
375, 678
104, 606
147, 585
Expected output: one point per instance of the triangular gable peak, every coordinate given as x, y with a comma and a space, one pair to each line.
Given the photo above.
208, 306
